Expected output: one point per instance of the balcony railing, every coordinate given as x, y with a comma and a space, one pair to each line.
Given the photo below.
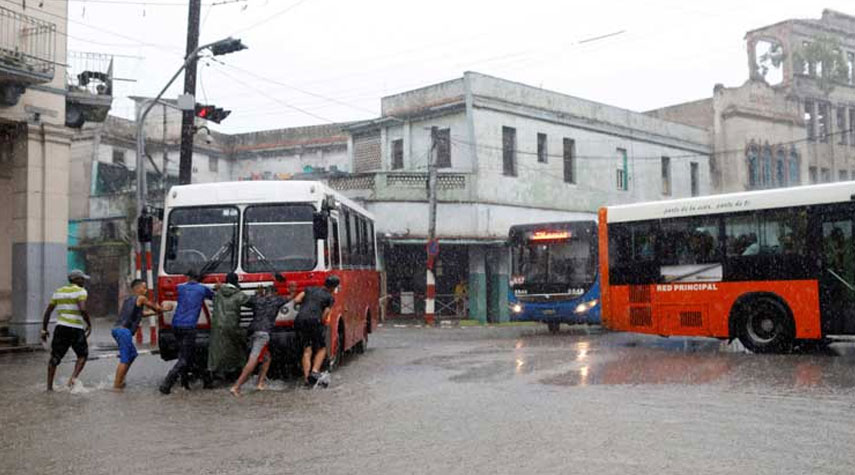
89, 81
403, 186
27, 48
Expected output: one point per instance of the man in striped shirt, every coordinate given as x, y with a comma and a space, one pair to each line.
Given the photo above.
72, 325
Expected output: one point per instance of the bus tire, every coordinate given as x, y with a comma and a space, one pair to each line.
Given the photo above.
338, 355
764, 324
363, 343
553, 327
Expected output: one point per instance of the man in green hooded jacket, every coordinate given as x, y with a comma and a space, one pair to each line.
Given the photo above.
227, 346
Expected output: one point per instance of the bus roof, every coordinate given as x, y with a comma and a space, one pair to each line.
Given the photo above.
249, 192
733, 202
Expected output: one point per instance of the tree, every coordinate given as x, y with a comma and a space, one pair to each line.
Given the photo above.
824, 60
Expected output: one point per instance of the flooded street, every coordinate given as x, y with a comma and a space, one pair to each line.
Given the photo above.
458, 400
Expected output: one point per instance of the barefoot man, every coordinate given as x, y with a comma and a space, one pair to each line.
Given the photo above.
72, 326
133, 308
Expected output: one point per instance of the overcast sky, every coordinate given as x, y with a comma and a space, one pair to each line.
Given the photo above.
317, 61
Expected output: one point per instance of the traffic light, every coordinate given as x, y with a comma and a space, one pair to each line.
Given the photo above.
213, 113
226, 46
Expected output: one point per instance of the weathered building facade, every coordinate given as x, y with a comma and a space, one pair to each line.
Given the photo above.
45, 92
791, 122
507, 154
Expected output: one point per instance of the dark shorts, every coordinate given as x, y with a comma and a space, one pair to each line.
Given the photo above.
311, 333
127, 350
64, 338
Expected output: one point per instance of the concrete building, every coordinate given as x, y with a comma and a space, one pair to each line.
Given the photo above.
44, 93
103, 173
791, 122
508, 154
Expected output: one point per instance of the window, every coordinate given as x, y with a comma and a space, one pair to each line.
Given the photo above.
666, 176
842, 132
825, 175
200, 237
771, 232
693, 171
851, 132
623, 171
280, 237
397, 154
810, 120
842, 175
795, 169
569, 160
356, 241
509, 151
443, 148
688, 241
118, 157
753, 167
348, 244
767, 166
334, 252
808, 68
822, 120
850, 68
781, 168
371, 248
812, 175
541, 148
213, 164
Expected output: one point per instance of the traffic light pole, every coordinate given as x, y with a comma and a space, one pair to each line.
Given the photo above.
185, 164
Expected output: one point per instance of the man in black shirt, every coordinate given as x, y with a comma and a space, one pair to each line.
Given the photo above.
266, 305
310, 324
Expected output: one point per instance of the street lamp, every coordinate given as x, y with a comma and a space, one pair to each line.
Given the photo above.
217, 48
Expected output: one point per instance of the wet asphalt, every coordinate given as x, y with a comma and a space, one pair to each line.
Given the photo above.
456, 400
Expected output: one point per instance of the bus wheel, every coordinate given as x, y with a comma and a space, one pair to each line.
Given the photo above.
765, 326
363, 344
336, 359
553, 327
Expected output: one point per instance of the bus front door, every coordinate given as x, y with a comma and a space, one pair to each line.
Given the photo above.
837, 281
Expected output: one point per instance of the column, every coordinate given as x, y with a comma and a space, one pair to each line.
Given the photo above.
498, 280
477, 284
40, 223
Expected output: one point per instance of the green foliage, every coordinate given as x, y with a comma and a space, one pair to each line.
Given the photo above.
823, 59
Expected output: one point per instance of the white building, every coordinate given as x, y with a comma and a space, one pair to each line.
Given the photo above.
509, 154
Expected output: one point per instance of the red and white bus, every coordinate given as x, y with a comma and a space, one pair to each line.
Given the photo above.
301, 231
771, 267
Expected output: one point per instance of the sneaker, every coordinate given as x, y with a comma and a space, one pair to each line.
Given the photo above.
164, 389
323, 380
313, 378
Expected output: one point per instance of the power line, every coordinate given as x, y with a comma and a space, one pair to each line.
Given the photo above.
270, 18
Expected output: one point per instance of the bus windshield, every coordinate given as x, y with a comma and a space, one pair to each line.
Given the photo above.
567, 262
201, 239
279, 237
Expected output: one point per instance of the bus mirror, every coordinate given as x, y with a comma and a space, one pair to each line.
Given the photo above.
320, 226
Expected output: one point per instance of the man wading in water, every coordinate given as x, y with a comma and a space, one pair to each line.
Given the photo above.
310, 325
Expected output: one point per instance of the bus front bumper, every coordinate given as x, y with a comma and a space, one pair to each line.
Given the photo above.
283, 345
585, 312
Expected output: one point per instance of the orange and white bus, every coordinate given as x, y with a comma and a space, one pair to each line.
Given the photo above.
272, 233
771, 267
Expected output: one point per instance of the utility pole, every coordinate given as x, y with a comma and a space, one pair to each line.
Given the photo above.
185, 165
432, 245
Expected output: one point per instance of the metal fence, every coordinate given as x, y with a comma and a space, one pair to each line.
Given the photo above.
27, 44
90, 72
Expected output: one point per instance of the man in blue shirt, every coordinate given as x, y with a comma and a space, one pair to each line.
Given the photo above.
191, 297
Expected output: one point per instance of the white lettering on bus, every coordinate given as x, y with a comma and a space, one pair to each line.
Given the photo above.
685, 287
692, 208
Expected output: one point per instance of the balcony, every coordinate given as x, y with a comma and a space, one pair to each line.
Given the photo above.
27, 54
89, 82
404, 186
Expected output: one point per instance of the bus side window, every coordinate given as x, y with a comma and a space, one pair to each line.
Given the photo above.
347, 257
363, 230
356, 243
372, 253
332, 242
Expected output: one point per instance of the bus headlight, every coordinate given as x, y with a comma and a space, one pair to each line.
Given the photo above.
517, 308
585, 306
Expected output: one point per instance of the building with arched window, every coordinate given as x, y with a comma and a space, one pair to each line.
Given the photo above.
791, 122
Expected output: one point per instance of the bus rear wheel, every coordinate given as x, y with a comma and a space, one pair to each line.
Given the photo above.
363, 344
553, 327
764, 325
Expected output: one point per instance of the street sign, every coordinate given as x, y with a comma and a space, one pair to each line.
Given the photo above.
433, 247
